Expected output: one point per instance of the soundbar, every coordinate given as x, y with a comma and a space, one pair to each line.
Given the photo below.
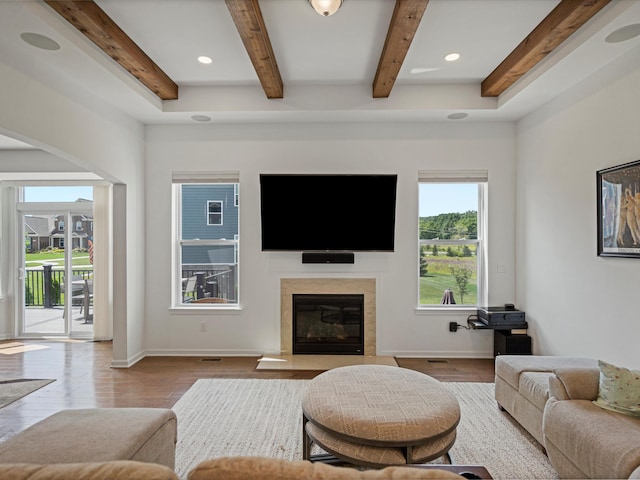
328, 257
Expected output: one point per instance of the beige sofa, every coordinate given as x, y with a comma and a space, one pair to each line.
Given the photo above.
522, 386
225, 468
552, 398
582, 439
139, 443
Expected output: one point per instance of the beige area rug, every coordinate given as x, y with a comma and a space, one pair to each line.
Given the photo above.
231, 417
14, 389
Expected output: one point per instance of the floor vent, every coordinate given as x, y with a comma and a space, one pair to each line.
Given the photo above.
437, 360
211, 359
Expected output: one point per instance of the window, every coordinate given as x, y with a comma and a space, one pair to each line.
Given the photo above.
451, 238
206, 259
78, 225
214, 212
60, 225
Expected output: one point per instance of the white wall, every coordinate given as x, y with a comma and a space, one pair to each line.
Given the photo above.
325, 148
577, 303
94, 136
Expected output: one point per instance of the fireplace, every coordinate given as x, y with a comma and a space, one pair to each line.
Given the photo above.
327, 286
328, 324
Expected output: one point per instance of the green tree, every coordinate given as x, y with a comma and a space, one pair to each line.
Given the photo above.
423, 262
466, 251
434, 251
462, 276
450, 252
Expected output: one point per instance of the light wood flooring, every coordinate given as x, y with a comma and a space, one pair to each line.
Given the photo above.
84, 378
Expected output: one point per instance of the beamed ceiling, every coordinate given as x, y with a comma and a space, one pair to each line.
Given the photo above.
92, 21
277, 60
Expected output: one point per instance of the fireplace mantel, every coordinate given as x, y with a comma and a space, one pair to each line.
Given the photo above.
291, 286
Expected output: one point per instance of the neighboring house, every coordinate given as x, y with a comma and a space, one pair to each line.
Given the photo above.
45, 232
209, 212
38, 233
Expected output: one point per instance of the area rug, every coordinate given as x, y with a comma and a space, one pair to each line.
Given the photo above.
14, 389
230, 417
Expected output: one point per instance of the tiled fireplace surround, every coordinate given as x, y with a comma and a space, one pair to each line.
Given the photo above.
327, 286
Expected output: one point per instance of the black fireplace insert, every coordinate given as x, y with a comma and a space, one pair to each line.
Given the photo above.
328, 324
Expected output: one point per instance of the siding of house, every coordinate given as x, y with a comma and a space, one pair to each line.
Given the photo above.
194, 223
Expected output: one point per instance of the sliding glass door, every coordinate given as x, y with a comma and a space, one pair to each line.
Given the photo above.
55, 277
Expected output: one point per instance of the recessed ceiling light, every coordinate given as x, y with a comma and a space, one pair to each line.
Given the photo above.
452, 57
205, 60
40, 41
201, 118
457, 116
623, 34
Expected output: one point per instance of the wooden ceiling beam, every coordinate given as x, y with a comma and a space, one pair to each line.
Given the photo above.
247, 16
566, 18
406, 18
98, 27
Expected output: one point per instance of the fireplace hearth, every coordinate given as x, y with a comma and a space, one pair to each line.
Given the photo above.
328, 324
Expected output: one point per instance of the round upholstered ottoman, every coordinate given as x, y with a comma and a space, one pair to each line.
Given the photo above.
378, 415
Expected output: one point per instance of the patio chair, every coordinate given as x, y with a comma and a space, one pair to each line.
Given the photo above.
189, 290
87, 300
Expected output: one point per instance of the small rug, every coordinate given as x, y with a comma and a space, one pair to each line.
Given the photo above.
234, 417
14, 389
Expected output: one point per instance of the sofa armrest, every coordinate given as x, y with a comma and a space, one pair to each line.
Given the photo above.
576, 383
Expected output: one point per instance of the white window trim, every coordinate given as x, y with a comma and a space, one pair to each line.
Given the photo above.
176, 306
221, 223
463, 176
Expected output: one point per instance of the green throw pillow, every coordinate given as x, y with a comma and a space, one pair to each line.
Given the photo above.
619, 389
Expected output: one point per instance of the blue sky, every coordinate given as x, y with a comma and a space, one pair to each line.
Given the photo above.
57, 194
449, 198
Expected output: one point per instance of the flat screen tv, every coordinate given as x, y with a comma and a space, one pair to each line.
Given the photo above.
328, 213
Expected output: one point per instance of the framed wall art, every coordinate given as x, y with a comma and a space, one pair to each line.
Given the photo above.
619, 210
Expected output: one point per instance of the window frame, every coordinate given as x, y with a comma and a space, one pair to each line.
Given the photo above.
220, 213
179, 179
480, 178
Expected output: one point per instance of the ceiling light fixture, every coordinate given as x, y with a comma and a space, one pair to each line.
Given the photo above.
452, 57
457, 116
326, 7
205, 60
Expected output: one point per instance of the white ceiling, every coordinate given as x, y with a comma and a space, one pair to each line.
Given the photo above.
327, 64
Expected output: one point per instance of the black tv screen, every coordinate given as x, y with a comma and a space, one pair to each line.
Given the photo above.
318, 212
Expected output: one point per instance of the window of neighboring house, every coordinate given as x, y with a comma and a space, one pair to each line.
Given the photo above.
61, 225
452, 239
206, 259
214, 212
79, 225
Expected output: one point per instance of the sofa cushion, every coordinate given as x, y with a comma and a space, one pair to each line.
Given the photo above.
619, 389
509, 367
243, 468
96, 435
534, 386
117, 470
601, 443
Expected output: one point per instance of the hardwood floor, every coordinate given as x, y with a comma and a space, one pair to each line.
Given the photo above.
84, 378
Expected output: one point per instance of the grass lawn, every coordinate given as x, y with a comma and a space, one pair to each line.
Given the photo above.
55, 258
432, 289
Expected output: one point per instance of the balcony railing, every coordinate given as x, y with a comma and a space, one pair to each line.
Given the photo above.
44, 287
214, 280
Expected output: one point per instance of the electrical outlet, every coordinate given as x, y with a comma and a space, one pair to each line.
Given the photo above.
453, 327
203, 326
